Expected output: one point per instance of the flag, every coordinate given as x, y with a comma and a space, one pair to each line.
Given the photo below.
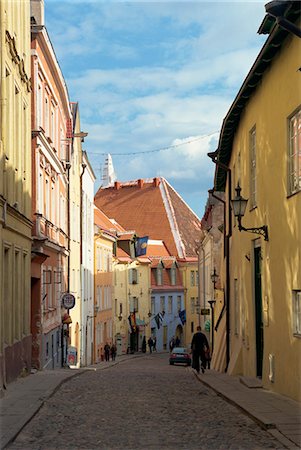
132, 322
182, 315
159, 319
141, 246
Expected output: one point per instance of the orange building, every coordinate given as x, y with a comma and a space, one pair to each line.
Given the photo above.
51, 131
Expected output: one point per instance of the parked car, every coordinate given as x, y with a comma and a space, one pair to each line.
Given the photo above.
180, 355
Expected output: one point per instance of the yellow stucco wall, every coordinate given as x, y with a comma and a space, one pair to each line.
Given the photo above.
15, 187
275, 99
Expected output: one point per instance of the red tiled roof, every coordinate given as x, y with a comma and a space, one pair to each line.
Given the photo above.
156, 248
125, 236
153, 208
123, 256
105, 223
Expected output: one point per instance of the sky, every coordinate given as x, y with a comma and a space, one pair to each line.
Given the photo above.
154, 81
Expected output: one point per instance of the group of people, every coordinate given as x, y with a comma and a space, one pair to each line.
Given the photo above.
110, 351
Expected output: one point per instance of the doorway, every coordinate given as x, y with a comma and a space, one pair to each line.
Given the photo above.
258, 310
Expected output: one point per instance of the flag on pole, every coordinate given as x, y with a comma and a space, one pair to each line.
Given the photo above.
141, 246
158, 319
182, 315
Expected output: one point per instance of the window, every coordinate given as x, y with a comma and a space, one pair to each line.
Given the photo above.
173, 276
192, 327
134, 306
133, 276
162, 303
253, 181
179, 303
294, 176
192, 305
197, 277
159, 276
297, 313
192, 278
170, 304
153, 309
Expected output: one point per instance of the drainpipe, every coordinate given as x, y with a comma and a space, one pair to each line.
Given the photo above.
213, 157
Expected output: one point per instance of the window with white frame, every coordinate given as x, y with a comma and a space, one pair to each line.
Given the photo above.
133, 276
253, 178
134, 304
159, 276
173, 276
192, 278
153, 309
297, 313
197, 277
170, 304
162, 303
294, 163
192, 305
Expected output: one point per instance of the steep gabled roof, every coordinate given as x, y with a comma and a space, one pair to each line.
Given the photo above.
152, 208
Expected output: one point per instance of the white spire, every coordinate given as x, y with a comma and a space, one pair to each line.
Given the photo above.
108, 173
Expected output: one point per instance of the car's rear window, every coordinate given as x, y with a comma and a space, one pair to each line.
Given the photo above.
179, 350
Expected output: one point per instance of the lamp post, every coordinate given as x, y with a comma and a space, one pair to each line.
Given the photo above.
239, 205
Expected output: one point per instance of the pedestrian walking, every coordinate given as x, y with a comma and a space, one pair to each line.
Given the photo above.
171, 344
199, 346
143, 347
113, 352
154, 344
150, 344
107, 352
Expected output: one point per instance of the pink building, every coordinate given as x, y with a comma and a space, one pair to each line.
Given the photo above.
51, 133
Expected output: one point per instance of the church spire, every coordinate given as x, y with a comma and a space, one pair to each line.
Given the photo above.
108, 173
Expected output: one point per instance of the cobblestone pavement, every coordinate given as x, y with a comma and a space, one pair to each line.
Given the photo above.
142, 403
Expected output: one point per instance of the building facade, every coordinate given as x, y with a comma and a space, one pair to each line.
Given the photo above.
51, 153
15, 190
260, 145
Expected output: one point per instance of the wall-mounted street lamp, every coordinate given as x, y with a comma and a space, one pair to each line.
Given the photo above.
120, 317
214, 277
239, 205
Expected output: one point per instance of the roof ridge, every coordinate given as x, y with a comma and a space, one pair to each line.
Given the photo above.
178, 195
172, 219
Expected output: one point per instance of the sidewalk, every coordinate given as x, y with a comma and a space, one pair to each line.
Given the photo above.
24, 397
279, 415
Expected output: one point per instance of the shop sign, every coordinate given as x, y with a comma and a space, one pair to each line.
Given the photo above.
205, 312
68, 300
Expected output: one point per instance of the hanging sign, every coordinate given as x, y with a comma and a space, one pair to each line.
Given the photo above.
205, 312
68, 300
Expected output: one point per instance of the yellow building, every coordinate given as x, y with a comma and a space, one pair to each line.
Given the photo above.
131, 296
260, 144
15, 189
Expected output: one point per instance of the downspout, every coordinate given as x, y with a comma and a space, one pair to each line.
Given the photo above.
213, 157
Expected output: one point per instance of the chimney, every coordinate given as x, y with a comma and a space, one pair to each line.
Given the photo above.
37, 12
117, 185
140, 183
156, 181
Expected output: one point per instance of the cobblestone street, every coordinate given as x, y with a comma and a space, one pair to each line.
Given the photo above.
142, 403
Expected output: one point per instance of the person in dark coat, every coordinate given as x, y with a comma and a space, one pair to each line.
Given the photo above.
144, 345
199, 347
107, 352
150, 344
113, 352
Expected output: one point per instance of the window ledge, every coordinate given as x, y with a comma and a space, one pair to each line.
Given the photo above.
296, 335
293, 193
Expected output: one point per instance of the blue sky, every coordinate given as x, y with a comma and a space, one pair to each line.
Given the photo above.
150, 75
